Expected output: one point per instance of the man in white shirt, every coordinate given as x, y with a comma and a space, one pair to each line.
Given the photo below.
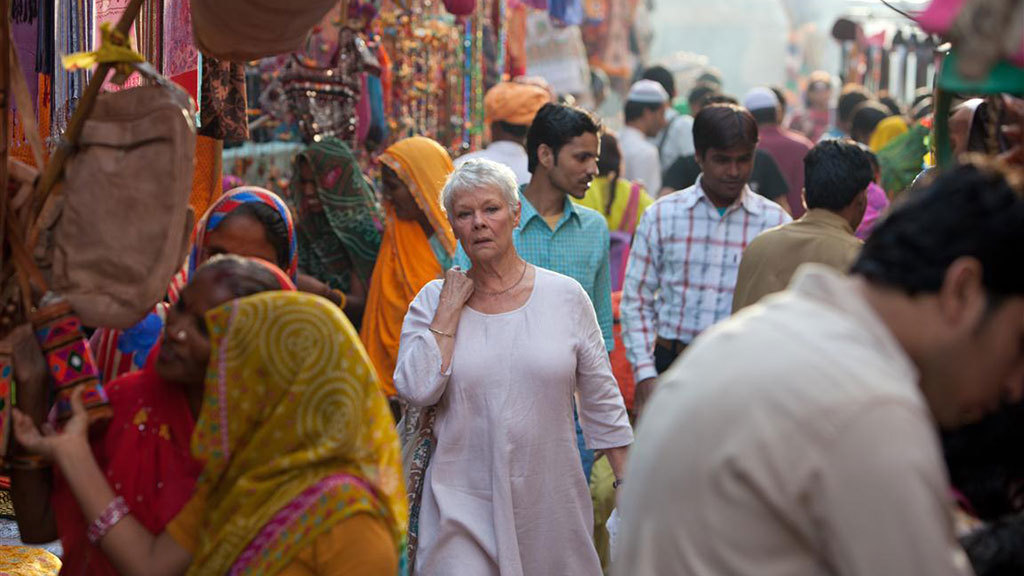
676, 139
799, 437
645, 117
509, 108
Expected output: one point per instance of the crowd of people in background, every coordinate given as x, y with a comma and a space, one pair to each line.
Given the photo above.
444, 377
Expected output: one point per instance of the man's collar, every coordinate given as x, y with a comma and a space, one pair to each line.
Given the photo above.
828, 218
528, 212
746, 199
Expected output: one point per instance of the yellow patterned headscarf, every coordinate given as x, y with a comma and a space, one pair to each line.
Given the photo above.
294, 434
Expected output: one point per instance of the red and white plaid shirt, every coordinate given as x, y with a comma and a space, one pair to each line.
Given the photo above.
682, 268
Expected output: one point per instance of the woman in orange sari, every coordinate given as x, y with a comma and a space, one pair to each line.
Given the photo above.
417, 245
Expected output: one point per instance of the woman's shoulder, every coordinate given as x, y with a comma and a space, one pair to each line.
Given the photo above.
552, 282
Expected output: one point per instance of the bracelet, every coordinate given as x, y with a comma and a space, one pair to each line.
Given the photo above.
28, 462
439, 333
115, 511
341, 296
618, 482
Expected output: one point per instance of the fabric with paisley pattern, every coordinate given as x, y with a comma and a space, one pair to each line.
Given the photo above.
292, 409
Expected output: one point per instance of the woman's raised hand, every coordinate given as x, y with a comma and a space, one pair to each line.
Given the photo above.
46, 443
457, 289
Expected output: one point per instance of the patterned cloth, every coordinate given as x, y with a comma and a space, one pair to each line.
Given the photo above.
339, 223
119, 352
577, 247
682, 268
406, 261
27, 561
223, 114
292, 414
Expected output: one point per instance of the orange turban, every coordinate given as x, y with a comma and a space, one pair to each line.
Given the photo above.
514, 102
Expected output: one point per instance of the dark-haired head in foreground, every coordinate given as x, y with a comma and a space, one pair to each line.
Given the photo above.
944, 270
724, 136
836, 178
563, 145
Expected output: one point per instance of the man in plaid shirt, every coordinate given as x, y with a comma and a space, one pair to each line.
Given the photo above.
686, 252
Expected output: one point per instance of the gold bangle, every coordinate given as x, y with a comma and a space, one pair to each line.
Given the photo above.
341, 296
439, 333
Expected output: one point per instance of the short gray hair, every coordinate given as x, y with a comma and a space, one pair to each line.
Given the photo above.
479, 173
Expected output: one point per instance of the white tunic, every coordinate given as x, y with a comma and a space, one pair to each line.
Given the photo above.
504, 492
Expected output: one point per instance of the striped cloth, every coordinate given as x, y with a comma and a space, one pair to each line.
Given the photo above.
682, 268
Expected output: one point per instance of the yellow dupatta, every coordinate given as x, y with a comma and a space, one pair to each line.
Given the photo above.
406, 261
294, 434
887, 131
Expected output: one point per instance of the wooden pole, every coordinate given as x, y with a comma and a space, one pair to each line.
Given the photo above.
55, 168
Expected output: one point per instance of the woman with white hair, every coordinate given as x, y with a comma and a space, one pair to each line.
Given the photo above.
500, 351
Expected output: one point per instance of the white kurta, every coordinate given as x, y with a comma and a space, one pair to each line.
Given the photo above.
504, 492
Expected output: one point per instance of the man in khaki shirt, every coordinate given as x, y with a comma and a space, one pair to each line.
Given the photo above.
836, 178
799, 436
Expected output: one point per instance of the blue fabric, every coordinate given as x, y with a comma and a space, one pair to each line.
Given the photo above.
586, 456
577, 248
139, 340
568, 12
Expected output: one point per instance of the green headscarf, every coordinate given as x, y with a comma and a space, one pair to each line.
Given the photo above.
338, 226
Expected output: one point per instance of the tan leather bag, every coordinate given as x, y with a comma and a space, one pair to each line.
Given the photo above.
244, 30
120, 227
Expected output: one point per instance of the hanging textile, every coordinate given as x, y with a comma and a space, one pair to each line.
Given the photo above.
206, 179
25, 32
179, 57
222, 110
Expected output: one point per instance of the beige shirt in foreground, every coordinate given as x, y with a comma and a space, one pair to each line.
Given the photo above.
772, 258
790, 440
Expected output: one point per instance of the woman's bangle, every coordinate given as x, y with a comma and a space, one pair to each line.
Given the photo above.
342, 299
618, 482
114, 513
439, 333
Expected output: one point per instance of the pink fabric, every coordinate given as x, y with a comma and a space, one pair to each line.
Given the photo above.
788, 149
287, 515
878, 202
938, 17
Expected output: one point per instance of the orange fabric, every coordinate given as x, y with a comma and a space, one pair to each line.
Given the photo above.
358, 545
406, 261
206, 180
621, 367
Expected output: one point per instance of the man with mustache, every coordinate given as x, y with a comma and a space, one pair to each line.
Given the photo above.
686, 252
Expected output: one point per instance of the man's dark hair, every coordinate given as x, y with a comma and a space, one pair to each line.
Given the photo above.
723, 126
765, 116
969, 211
719, 98
635, 110
866, 118
556, 125
851, 97
699, 94
274, 226
517, 131
835, 172
662, 76
241, 276
891, 104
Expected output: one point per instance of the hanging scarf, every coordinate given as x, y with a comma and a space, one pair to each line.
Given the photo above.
406, 261
339, 225
294, 435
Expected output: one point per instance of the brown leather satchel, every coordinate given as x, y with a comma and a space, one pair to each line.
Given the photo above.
119, 227
244, 30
